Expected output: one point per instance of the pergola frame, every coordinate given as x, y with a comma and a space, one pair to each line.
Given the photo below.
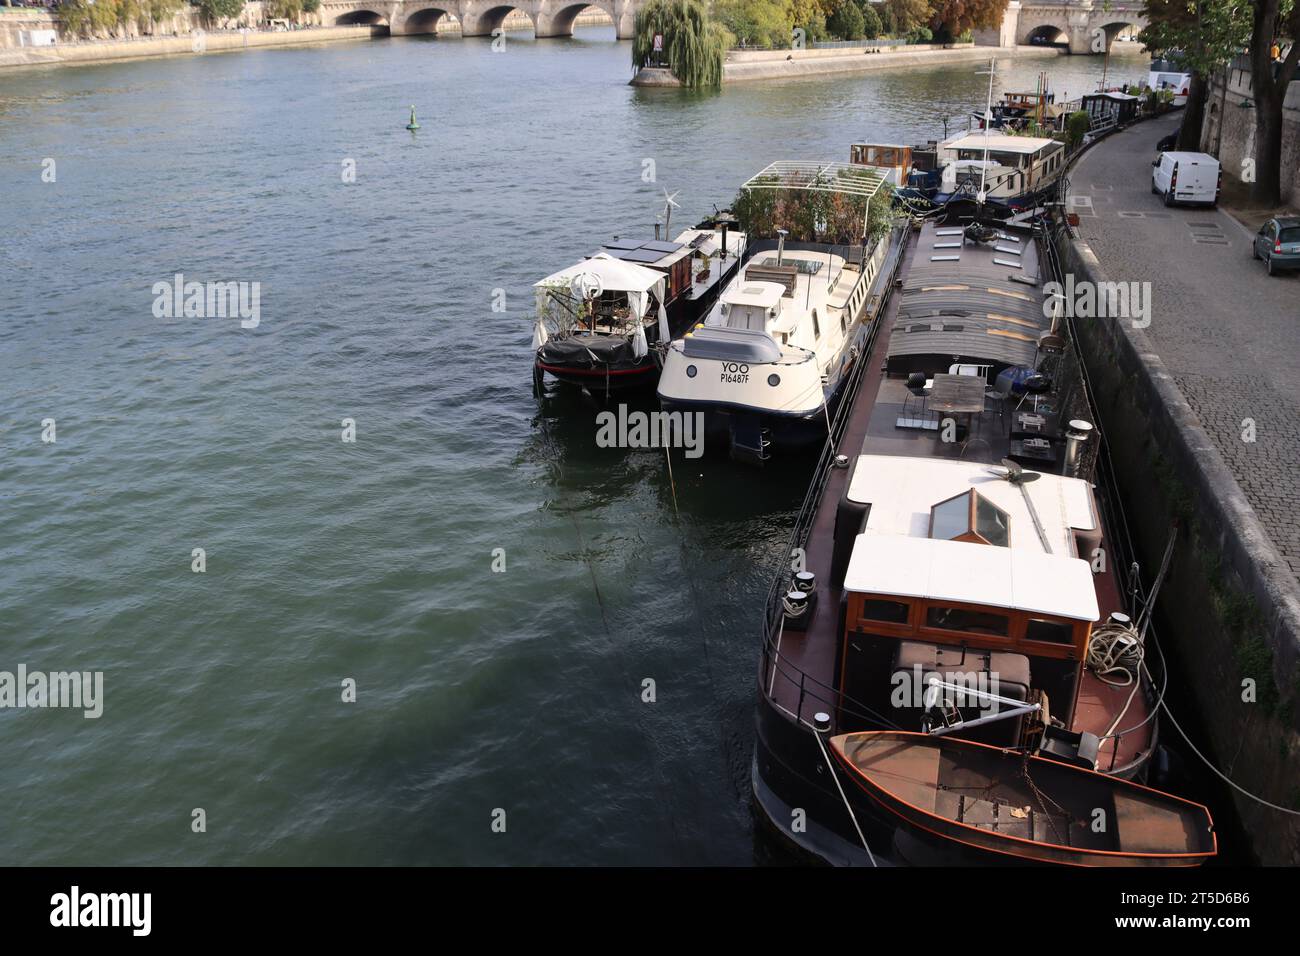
848, 179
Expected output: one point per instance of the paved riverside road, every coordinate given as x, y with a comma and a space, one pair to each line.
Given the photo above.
1226, 331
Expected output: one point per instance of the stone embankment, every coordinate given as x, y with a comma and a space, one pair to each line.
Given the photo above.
743, 66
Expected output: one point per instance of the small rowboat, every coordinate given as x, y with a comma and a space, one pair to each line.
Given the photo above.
1007, 802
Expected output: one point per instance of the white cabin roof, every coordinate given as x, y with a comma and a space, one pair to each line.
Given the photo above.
967, 573
765, 295
902, 490
1000, 142
613, 275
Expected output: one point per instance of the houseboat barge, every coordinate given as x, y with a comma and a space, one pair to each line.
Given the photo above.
951, 672
603, 323
766, 367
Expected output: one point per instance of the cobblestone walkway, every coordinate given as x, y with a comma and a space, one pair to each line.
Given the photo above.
1228, 333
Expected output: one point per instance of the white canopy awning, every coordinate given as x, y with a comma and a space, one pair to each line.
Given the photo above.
614, 275
602, 272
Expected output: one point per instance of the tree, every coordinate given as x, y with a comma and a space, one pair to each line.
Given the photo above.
845, 21
84, 18
908, 14
1203, 35
1077, 125
759, 23
1271, 21
808, 15
871, 25
282, 9
693, 46
215, 11
954, 17
155, 10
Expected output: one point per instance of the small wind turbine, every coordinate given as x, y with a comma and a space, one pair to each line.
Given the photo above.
670, 203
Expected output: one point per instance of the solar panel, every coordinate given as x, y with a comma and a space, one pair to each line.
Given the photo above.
661, 246
641, 255
623, 244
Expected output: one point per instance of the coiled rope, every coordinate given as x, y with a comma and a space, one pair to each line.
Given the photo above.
1115, 653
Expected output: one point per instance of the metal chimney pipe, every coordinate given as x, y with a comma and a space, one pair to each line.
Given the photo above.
780, 244
657, 231
1075, 438
724, 240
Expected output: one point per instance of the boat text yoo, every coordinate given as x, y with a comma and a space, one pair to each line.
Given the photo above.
767, 364
958, 664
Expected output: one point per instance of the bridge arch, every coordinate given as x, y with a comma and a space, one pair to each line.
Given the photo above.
555, 18
426, 20
479, 18
1047, 34
1116, 27
355, 17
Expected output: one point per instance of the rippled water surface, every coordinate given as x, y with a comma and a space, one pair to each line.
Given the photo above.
373, 560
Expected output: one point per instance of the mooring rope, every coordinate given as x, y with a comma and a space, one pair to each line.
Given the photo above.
834, 776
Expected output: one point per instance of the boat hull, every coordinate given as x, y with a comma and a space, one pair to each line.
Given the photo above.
989, 800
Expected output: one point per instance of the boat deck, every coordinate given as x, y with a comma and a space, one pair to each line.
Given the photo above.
803, 675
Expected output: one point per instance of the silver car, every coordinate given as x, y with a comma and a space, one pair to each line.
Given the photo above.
1278, 244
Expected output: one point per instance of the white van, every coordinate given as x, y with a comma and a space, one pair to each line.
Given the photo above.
1186, 178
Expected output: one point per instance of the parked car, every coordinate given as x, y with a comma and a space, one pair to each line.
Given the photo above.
1193, 178
1278, 244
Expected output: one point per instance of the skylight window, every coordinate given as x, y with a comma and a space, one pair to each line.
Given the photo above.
970, 517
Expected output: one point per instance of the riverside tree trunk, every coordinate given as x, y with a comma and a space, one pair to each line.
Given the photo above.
1270, 82
1189, 134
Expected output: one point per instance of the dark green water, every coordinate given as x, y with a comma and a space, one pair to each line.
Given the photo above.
373, 560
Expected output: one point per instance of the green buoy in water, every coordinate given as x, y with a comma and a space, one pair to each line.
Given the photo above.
413, 125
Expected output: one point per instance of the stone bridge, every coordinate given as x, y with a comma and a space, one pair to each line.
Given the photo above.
550, 18
1087, 26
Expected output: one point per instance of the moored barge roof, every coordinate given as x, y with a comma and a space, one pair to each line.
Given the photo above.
968, 573
902, 490
980, 301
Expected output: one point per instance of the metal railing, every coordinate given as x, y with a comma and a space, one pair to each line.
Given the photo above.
773, 615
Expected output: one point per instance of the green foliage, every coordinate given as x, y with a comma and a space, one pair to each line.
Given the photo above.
908, 15
845, 21
1204, 33
810, 16
762, 211
920, 35
871, 25
217, 10
951, 18
693, 48
765, 24
104, 17
310, 6
1076, 127
282, 9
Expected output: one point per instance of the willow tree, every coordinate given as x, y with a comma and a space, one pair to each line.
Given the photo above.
693, 47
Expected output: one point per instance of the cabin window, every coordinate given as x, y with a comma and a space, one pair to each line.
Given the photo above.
1049, 632
991, 522
887, 612
967, 621
970, 517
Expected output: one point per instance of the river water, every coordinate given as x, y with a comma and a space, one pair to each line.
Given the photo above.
477, 690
